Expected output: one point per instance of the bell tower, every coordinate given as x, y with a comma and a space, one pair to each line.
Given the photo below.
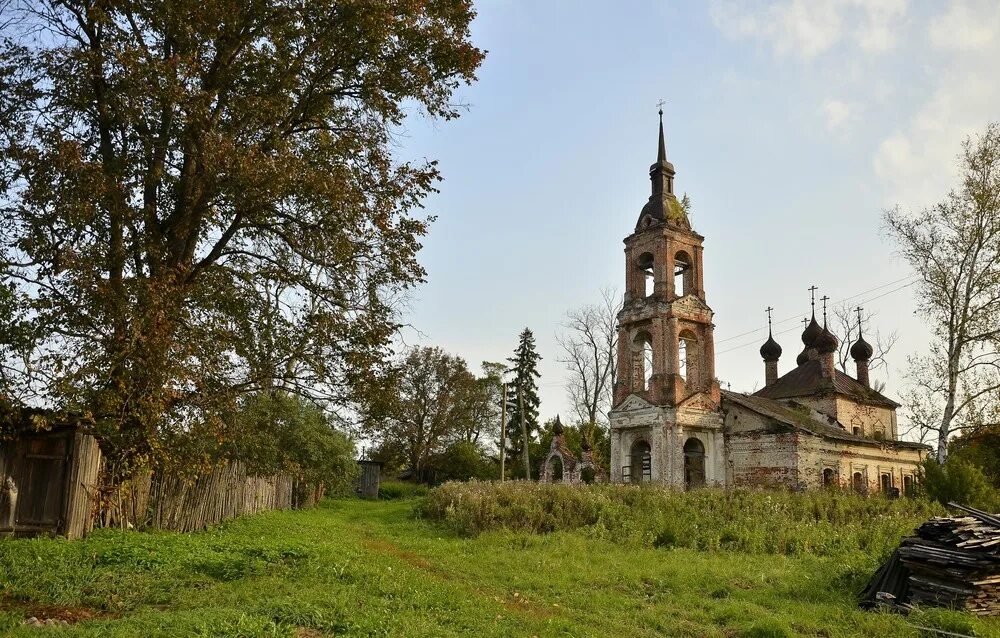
666, 386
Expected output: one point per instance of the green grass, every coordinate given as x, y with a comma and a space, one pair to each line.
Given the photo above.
373, 569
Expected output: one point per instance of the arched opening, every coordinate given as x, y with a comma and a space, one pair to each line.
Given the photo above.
647, 365
686, 361
645, 264
908, 486
683, 274
556, 469
829, 477
859, 482
642, 361
588, 475
694, 463
641, 462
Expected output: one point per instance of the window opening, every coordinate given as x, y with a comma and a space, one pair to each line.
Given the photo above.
683, 279
859, 482
647, 365
829, 477
694, 463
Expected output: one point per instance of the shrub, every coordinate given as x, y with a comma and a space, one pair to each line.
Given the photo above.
764, 522
283, 433
395, 490
959, 481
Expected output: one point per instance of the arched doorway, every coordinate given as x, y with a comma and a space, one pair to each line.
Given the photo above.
641, 465
694, 463
556, 468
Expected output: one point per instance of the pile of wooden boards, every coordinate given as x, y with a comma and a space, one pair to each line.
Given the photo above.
950, 562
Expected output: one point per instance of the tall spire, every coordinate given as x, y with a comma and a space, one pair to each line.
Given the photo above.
662, 205
661, 152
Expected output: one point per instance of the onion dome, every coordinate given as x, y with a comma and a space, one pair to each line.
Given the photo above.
826, 342
770, 351
802, 358
557, 427
862, 350
811, 333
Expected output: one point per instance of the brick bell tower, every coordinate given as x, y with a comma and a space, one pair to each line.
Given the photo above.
666, 423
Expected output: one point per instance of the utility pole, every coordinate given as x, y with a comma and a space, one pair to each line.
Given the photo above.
503, 432
524, 434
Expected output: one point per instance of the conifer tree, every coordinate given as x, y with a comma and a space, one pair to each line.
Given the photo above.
522, 396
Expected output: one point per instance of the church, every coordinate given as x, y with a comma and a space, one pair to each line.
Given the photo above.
671, 423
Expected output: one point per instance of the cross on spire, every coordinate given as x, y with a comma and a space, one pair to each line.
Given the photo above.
768, 311
661, 151
812, 298
824, 299
858, 310
804, 322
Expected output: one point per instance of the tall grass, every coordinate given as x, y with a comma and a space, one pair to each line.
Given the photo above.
825, 523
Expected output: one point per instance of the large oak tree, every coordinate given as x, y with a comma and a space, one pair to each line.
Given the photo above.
200, 199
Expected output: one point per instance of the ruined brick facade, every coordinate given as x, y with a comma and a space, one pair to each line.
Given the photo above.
671, 424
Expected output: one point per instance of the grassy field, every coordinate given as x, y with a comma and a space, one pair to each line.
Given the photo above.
373, 569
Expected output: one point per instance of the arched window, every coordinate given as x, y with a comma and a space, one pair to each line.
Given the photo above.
686, 361
694, 463
645, 264
683, 274
829, 477
859, 482
641, 462
886, 481
908, 486
647, 365
642, 361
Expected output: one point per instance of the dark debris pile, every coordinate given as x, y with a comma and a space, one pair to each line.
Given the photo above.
950, 562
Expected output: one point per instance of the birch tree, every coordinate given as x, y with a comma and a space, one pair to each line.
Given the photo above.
954, 247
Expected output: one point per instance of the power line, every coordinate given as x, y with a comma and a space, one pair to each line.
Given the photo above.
796, 317
751, 343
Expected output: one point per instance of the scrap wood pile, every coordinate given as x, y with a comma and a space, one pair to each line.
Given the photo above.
951, 562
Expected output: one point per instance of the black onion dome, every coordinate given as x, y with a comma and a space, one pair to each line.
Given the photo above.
557, 427
811, 333
771, 350
862, 350
802, 358
826, 342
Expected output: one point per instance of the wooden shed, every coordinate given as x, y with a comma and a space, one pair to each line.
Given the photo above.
48, 477
368, 478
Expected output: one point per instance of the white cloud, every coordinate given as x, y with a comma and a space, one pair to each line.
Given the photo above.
810, 27
917, 163
839, 115
966, 26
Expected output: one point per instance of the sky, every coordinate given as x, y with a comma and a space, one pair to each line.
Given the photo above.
793, 125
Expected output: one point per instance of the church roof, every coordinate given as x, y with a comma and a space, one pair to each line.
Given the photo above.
801, 418
808, 380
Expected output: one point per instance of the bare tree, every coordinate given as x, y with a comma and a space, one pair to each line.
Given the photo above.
589, 351
954, 247
845, 326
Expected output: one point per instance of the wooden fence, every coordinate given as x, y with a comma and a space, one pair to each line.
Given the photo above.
185, 504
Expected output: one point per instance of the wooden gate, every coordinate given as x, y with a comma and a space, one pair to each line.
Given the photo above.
40, 471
